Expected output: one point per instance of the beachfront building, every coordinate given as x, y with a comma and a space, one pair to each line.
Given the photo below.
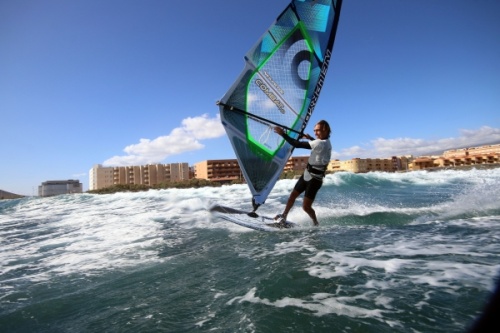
296, 164
100, 177
226, 170
333, 166
463, 157
149, 175
229, 170
423, 162
469, 156
362, 165
57, 187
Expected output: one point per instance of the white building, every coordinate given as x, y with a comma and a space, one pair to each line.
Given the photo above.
150, 175
57, 187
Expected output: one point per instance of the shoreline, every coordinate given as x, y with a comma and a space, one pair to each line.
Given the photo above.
4, 195
460, 167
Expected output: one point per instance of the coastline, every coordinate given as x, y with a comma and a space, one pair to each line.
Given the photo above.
461, 167
194, 183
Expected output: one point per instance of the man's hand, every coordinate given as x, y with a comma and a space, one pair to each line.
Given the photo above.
307, 136
278, 130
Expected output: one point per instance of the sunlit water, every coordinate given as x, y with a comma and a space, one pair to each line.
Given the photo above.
408, 252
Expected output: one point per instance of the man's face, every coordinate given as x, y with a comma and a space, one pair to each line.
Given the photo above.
320, 132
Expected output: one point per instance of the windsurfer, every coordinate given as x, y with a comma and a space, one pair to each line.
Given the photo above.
312, 179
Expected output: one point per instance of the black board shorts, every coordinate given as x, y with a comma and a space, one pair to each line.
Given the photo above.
310, 187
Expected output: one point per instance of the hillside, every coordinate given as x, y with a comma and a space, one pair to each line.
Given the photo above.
8, 195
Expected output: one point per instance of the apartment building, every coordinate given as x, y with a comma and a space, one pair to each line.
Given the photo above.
218, 170
229, 169
296, 163
57, 187
100, 177
488, 154
361, 165
150, 175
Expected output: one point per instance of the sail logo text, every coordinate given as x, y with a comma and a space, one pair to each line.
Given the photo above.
269, 78
319, 85
265, 89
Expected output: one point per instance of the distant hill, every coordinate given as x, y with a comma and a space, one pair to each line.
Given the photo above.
8, 195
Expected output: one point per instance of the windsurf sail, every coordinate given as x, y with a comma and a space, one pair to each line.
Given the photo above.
279, 86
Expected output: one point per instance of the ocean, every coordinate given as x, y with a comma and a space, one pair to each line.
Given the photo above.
394, 252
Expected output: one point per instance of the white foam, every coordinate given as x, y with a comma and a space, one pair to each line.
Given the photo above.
423, 177
435, 272
85, 234
328, 264
319, 304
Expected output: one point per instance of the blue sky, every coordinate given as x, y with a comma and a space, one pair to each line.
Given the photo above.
127, 82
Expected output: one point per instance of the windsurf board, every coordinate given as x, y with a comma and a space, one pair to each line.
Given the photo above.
249, 220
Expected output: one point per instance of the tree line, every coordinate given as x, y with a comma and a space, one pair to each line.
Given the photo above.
191, 183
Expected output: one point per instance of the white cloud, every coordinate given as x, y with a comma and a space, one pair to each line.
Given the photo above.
180, 140
354, 151
203, 127
187, 138
381, 147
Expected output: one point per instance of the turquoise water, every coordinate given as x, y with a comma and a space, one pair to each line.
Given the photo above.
409, 252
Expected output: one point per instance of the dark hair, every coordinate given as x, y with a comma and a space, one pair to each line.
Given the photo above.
325, 126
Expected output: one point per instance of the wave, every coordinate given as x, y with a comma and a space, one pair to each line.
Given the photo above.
371, 198
346, 198
491, 176
401, 198
87, 234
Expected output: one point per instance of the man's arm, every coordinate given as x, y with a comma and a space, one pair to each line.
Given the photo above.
295, 143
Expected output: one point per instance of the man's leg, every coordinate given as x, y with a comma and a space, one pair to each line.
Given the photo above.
299, 187
289, 204
312, 189
307, 207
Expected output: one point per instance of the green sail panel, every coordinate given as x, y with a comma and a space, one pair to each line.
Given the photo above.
279, 86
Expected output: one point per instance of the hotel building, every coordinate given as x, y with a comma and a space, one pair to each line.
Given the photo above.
218, 170
229, 170
149, 175
57, 187
482, 155
296, 163
361, 165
